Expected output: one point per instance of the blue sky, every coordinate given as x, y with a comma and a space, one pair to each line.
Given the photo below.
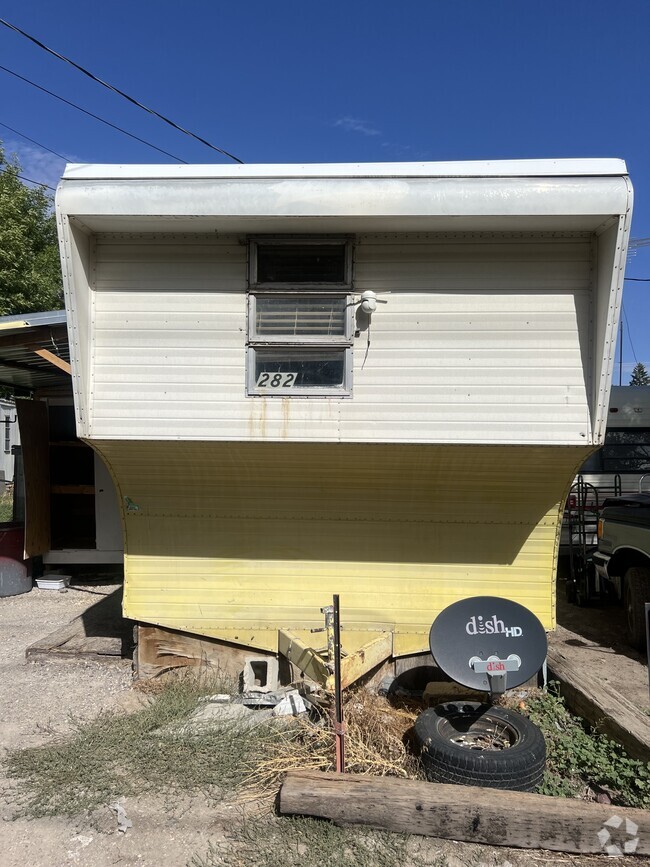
357, 81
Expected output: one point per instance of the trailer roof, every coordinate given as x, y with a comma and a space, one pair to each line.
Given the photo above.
501, 196
468, 169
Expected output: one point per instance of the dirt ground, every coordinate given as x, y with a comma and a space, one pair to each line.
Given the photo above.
37, 699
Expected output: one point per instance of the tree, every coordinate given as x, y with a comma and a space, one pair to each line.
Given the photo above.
30, 270
640, 375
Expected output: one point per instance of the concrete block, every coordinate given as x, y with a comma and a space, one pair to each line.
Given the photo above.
261, 674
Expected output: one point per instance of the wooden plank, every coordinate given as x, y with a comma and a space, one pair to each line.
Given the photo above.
601, 704
99, 631
303, 657
477, 815
55, 360
34, 438
68, 556
72, 489
363, 660
160, 650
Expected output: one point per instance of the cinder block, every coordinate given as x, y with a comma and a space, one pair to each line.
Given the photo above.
261, 674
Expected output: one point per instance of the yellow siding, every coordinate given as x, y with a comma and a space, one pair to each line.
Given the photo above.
235, 540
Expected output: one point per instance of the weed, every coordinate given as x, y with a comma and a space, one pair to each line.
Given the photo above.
579, 757
6, 507
116, 755
301, 842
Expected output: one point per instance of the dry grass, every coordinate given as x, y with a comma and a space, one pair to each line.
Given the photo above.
151, 750
6, 506
377, 743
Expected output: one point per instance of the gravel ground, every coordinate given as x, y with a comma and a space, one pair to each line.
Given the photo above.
37, 699
40, 695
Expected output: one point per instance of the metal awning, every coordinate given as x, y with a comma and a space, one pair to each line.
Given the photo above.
34, 351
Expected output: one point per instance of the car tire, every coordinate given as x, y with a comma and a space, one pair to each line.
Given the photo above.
473, 744
636, 592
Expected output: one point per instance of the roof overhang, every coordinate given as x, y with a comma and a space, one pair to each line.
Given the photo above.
534, 195
34, 352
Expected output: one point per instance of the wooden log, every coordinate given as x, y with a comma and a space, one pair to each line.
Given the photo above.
600, 704
477, 815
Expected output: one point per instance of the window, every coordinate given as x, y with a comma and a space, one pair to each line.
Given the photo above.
300, 317
7, 435
624, 451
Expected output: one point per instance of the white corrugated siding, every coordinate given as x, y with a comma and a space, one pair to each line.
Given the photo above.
483, 338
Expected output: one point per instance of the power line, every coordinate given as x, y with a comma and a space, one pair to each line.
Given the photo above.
33, 141
38, 183
90, 114
639, 279
31, 181
118, 91
629, 335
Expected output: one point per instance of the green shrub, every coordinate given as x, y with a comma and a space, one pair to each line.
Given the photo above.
579, 757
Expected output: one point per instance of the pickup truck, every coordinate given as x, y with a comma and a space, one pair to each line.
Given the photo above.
622, 559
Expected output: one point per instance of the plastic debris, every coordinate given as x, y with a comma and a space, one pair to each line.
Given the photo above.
291, 705
123, 821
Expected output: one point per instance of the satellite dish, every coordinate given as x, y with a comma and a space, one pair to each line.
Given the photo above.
487, 643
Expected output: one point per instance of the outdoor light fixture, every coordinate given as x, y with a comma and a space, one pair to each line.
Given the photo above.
369, 301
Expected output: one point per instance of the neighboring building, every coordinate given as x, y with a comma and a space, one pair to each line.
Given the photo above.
372, 380
71, 514
9, 437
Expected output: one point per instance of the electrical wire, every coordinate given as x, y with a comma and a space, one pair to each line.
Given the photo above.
118, 91
32, 181
639, 279
90, 114
629, 335
33, 141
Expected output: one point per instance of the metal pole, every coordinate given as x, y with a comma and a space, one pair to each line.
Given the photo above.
339, 725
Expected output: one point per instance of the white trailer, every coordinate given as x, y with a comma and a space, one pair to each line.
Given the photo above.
375, 380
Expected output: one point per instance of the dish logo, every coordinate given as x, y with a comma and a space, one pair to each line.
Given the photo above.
490, 626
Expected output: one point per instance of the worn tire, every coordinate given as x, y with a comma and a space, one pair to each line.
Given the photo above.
451, 735
636, 592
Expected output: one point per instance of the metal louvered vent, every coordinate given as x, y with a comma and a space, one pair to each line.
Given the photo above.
298, 316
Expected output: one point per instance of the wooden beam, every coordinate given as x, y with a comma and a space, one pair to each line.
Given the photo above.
363, 660
72, 489
303, 657
161, 650
55, 360
478, 815
601, 704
